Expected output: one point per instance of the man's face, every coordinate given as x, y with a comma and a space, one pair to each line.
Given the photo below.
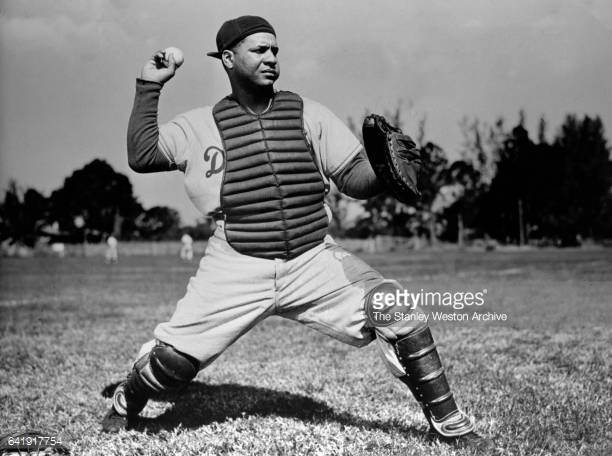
255, 60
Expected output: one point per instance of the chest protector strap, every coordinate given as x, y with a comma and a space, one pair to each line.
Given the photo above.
272, 193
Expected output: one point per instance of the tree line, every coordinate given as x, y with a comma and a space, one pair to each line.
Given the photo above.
93, 203
505, 185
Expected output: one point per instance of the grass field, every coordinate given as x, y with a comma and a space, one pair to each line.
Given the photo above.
539, 384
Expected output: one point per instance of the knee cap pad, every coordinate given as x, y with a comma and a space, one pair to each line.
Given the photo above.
163, 369
172, 368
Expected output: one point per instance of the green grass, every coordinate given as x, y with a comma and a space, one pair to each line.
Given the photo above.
539, 384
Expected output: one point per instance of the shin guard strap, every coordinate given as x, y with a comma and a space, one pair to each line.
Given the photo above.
416, 340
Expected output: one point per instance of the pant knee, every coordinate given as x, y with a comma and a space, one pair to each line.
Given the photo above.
145, 349
384, 303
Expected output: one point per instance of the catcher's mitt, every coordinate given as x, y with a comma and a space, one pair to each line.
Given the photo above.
394, 157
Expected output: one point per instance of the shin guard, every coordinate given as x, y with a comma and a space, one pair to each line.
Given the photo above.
162, 369
427, 381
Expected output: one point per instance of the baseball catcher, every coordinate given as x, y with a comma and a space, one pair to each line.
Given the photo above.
260, 161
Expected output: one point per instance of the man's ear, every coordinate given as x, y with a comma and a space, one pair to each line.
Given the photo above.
227, 57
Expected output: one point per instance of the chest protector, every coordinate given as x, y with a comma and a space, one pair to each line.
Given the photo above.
272, 192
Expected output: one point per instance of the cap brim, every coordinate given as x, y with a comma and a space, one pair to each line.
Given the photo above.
216, 55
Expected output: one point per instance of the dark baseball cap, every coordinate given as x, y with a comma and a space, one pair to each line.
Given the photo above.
234, 30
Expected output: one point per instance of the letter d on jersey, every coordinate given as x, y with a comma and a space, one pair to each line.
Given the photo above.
216, 157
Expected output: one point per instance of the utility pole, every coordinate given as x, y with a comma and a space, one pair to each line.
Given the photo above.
520, 217
460, 230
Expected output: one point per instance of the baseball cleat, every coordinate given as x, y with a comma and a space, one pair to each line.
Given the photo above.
454, 425
471, 440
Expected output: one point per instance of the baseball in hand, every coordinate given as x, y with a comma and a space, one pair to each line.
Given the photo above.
179, 58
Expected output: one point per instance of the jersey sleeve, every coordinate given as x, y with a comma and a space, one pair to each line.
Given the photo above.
166, 147
333, 142
185, 135
176, 139
144, 155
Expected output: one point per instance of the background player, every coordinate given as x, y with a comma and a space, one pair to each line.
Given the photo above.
186, 247
112, 254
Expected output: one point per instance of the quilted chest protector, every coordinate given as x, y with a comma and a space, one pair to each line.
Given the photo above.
272, 193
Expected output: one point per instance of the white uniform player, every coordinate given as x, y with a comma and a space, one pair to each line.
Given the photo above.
186, 247
112, 254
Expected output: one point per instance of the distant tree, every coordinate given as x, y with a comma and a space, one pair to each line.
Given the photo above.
567, 183
586, 172
602, 228
159, 223
558, 192
464, 183
509, 201
480, 146
546, 199
542, 127
432, 178
22, 215
467, 179
101, 197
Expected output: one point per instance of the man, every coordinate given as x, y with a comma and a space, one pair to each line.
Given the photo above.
112, 255
261, 162
186, 252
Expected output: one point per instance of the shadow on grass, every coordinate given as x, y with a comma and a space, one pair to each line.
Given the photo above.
200, 404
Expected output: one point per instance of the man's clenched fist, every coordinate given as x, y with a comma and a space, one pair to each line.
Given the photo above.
162, 65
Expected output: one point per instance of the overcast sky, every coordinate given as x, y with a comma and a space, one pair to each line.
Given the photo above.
67, 70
